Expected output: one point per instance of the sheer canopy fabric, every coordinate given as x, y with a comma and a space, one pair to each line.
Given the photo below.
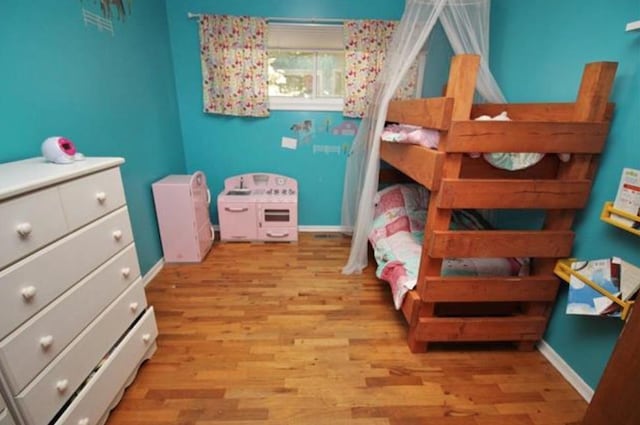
466, 23
361, 179
233, 56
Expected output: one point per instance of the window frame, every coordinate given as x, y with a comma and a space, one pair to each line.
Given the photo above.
311, 40
315, 103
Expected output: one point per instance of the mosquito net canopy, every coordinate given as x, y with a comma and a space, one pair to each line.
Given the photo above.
466, 24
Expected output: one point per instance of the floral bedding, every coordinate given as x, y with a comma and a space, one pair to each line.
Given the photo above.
398, 232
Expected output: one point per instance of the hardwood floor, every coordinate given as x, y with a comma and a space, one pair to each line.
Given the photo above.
275, 334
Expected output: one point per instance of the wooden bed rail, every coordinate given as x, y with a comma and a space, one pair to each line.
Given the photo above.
465, 289
526, 136
513, 194
432, 113
499, 243
562, 112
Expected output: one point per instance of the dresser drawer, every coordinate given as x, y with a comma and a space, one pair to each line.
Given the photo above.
91, 197
28, 223
278, 234
26, 351
29, 285
95, 399
46, 394
5, 418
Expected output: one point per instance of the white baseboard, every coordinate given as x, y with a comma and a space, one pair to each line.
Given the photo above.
153, 271
566, 371
325, 229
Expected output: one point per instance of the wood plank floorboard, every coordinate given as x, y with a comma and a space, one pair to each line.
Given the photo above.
275, 334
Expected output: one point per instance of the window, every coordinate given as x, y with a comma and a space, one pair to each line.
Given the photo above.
306, 66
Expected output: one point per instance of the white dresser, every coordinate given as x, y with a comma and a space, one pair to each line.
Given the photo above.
5, 416
74, 320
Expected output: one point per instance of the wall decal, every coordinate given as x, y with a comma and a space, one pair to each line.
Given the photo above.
289, 143
346, 128
101, 23
326, 149
107, 11
100, 13
326, 125
303, 130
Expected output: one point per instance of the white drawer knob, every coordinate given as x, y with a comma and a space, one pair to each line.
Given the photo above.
62, 385
133, 307
101, 197
28, 293
83, 421
46, 341
126, 272
146, 338
24, 229
117, 235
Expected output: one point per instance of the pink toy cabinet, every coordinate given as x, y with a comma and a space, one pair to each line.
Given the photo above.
182, 206
259, 207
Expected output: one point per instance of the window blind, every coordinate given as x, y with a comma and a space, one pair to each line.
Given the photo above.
305, 36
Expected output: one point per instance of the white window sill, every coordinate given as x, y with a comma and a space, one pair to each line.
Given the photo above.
297, 104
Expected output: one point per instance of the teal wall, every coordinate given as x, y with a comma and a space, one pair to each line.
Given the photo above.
111, 95
538, 50
225, 146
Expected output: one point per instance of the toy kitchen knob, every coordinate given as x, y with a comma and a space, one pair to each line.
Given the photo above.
101, 197
133, 307
117, 235
28, 293
83, 421
24, 229
62, 385
146, 338
46, 341
126, 272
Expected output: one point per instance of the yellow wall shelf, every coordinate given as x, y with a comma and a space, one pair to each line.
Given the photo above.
605, 216
564, 271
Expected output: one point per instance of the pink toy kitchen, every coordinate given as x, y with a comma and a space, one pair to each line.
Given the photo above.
259, 207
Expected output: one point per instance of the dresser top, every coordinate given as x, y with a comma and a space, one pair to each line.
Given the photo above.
23, 176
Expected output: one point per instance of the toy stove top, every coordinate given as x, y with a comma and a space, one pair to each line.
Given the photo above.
259, 187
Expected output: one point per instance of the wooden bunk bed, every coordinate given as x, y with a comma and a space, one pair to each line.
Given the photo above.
497, 308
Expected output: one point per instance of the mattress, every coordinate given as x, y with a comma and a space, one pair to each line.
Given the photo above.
398, 232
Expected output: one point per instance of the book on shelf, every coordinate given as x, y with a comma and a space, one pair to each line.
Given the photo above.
616, 276
628, 197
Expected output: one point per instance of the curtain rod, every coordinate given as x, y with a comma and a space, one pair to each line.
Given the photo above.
283, 19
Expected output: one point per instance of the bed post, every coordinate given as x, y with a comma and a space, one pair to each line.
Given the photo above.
590, 106
461, 87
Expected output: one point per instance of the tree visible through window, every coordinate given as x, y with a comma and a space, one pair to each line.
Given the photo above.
306, 74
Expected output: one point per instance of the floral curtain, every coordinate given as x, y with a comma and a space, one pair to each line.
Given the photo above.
366, 44
234, 65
